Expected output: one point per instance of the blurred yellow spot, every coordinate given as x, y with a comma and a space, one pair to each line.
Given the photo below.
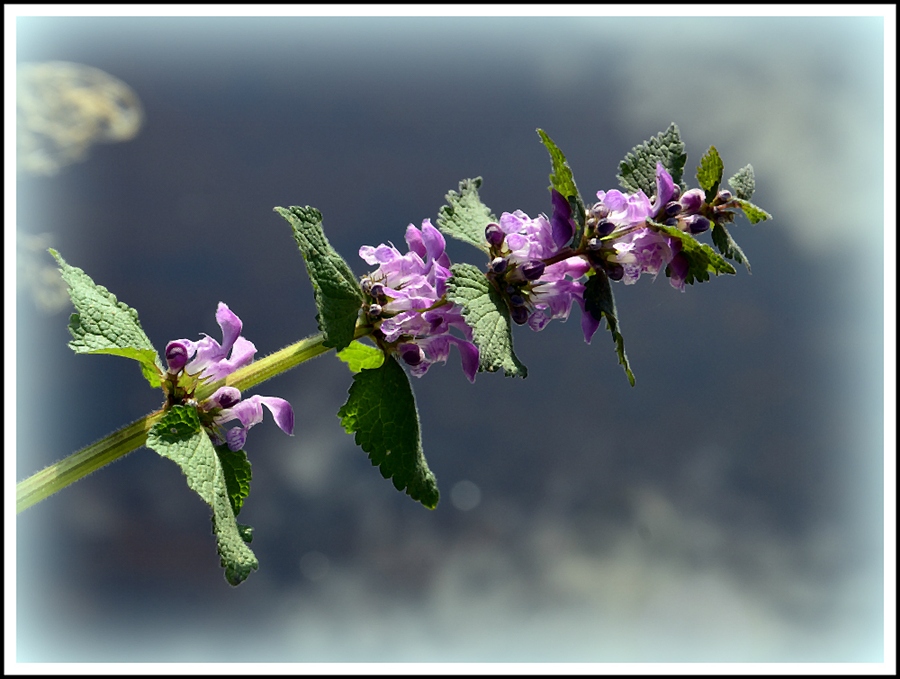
63, 108
36, 272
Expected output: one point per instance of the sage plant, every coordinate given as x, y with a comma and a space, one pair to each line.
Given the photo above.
405, 315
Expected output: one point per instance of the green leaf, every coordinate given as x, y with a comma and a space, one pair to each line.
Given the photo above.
703, 260
465, 216
359, 356
236, 468
727, 246
599, 303
180, 438
488, 316
754, 213
336, 289
562, 180
743, 183
381, 411
638, 170
103, 325
709, 173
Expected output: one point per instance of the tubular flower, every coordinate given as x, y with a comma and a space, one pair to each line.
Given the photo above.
248, 412
633, 249
407, 306
537, 292
209, 360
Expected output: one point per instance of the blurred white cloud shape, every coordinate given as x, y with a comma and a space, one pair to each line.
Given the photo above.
63, 108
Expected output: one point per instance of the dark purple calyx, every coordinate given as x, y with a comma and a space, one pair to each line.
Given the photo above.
519, 315
697, 224
411, 354
604, 228
614, 270
494, 235
533, 269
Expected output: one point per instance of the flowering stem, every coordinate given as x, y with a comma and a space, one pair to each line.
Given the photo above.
76, 466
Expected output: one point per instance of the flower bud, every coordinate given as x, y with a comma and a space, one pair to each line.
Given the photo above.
366, 285
376, 290
614, 270
697, 224
724, 196
494, 234
533, 270
605, 227
411, 354
177, 354
499, 264
594, 244
599, 210
519, 315
673, 208
517, 299
692, 200
374, 311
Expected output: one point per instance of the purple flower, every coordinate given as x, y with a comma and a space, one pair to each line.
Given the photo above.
678, 269
412, 284
636, 208
213, 361
248, 412
549, 289
210, 359
692, 201
642, 251
561, 219
639, 249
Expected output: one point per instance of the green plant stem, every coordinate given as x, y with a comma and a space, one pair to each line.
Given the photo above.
76, 466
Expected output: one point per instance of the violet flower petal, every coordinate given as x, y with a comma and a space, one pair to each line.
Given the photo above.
230, 324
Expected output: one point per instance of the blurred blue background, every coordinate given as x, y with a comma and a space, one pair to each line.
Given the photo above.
727, 508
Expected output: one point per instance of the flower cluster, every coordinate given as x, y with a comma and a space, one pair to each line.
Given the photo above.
406, 302
537, 288
626, 247
207, 360
535, 265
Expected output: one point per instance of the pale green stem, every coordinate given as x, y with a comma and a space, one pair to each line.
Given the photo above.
131, 437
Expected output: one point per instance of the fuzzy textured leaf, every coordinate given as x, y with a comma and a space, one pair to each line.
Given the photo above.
381, 411
702, 258
638, 170
599, 303
743, 183
563, 181
465, 216
336, 289
180, 438
753, 212
237, 471
359, 356
104, 325
486, 313
709, 173
727, 245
